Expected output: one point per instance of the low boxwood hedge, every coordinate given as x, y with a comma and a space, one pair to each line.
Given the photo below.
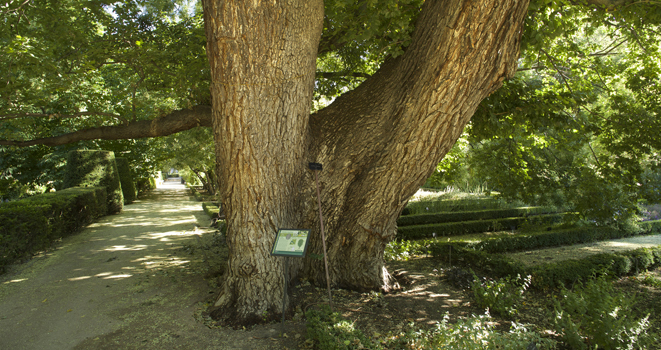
555, 238
554, 274
475, 226
210, 209
438, 218
31, 224
445, 205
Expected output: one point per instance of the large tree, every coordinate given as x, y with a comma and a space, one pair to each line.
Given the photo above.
377, 143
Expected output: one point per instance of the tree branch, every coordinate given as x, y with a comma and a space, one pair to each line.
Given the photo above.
330, 75
174, 122
54, 115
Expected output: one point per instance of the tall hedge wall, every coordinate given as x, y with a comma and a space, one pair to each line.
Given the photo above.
31, 224
86, 168
125, 178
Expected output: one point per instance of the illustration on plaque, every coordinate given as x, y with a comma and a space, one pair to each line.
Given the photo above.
291, 242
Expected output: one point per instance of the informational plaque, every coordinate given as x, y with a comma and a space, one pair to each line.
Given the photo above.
291, 242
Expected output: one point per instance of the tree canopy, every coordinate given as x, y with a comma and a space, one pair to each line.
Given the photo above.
581, 111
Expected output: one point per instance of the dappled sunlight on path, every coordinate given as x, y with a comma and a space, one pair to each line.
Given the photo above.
73, 292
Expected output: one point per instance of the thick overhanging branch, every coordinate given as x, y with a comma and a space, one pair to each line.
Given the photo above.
174, 122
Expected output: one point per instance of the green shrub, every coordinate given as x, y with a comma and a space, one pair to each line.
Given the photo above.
554, 274
437, 218
436, 206
210, 209
404, 250
475, 332
542, 239
330, 331
500, 296
31, 224
594, 315
126, 180
86, 168
477, 226
145, 184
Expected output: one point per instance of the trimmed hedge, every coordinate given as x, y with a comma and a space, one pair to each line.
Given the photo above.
437, 218
31, 224
562, 237
87, 168
568, 272
445, 205
558, 238
210, 209
126, 180
476, 226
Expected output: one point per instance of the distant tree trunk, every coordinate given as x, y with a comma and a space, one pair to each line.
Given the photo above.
262, 57
377, 143
212, 179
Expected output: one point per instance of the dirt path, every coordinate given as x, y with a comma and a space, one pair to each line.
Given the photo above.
123, 283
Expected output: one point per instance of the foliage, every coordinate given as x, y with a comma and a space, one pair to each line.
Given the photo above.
95, 168
31, 170
474, 332
192, 152
126, 180
576, 126
595, 315
144, 185
332, 332
31, 224
501, 296
403, 250
357, 37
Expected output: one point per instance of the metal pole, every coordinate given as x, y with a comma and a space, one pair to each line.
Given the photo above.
284, 295
323, 242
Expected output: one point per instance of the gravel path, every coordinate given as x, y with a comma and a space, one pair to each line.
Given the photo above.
580, 251
122, 283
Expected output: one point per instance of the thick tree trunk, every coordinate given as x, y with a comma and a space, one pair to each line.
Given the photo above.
262, 56
381, 141
378, 143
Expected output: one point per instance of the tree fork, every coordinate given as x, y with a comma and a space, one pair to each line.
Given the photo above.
381, 141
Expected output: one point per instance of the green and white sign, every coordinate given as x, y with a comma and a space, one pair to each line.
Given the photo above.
291, 242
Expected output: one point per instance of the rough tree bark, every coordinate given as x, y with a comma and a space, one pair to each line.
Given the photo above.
262, 56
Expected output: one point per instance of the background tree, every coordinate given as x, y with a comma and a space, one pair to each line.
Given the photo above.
570, 128
192, 152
